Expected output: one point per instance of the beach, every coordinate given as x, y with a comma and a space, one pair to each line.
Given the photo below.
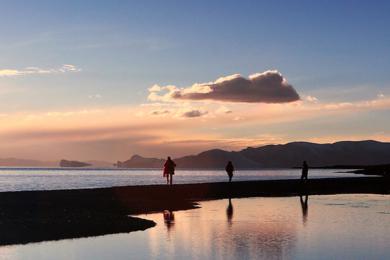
33, 216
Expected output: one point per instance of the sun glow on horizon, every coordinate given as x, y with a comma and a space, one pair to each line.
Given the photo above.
141, 130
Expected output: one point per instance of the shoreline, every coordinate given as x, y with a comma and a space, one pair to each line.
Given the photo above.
35, 216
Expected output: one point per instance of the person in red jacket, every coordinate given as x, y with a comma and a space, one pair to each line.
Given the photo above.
169, 170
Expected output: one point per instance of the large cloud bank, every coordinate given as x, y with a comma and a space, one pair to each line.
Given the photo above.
266, 87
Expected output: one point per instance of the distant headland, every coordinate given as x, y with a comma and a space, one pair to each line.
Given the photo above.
356, 153
66, 163
344, 154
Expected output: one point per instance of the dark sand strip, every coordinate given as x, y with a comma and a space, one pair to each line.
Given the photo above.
33, 216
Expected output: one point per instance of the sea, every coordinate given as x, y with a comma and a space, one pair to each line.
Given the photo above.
27, 179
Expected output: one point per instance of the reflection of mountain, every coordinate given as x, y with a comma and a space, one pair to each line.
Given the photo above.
287, 155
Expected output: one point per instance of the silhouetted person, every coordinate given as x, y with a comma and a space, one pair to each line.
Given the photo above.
305, 207
229, 169
305, 171
229, 211
169, 170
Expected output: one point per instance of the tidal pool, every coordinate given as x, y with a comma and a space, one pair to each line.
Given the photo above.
313, 227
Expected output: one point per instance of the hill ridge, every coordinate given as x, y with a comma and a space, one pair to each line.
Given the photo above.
364, 152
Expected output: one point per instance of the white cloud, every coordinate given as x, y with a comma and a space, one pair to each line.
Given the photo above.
69, 67
9, 72
35, 70
311, 99
154, 88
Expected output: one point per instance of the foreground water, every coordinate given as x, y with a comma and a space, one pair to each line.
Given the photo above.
319, 227
18, 179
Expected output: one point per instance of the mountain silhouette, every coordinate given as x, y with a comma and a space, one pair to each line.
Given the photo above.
137, 161
279, 156
66, 163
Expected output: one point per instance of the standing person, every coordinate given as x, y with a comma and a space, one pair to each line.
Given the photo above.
229, 169
169, 170
305, 171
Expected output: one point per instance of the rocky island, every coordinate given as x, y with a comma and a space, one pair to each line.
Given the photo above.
66, 163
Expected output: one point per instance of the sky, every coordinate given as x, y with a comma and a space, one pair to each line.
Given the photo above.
108, 79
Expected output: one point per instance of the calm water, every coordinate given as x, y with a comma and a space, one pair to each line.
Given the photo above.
328, 227
53, 179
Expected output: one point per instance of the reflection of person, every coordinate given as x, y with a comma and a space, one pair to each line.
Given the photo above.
169, 218
305, 171
229, 211
229, 169
304, 206
169, 170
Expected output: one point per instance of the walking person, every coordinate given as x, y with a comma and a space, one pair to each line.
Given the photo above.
229, 170
169, 170
305, 171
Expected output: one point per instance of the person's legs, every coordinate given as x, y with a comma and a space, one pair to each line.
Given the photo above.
170, 179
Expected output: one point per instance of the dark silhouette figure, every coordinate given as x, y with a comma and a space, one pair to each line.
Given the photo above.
169, 219
169, 170
229, 211
304, 206
229, 169
305, 171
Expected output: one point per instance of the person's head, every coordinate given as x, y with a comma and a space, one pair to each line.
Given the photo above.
304, 162
169, 158
229, 162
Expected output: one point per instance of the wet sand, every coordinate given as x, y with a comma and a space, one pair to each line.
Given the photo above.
33, 216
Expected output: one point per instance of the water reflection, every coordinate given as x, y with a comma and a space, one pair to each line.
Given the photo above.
304, 206
169, 219
229, 212
263, 228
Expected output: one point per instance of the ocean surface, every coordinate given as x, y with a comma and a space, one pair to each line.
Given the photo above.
19, 179
317, 227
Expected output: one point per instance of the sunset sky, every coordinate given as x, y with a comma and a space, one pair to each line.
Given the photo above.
108, 79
